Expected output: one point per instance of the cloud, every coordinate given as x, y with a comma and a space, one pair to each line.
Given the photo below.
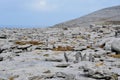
42, 5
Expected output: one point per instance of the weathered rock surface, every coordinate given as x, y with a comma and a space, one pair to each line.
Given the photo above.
60, 54
115, 46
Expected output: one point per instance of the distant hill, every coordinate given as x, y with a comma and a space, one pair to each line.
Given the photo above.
109, 15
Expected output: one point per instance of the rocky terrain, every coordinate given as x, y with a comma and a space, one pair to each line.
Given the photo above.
104, 16
87, 48
80, 53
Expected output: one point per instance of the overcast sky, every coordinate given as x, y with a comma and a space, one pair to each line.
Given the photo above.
47, 12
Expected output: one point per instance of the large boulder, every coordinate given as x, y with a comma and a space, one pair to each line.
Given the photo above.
115, 46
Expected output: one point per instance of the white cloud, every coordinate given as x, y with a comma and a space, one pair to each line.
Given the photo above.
42, 5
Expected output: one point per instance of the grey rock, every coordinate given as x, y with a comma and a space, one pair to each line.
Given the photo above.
1, 50
18, 51
60, 75
35, 78
24, 47
1, 58
65, 76
48, 76
115, 46
91, 58
81, 48
62, 65
53, 60
66, 57
96, 74
117, 34
80, 57
3, 37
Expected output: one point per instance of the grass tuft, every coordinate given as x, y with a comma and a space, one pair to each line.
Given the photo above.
28, 42
60, 48
114, 55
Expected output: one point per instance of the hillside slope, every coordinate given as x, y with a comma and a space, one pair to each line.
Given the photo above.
109, 15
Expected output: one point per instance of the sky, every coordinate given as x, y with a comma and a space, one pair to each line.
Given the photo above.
44, 13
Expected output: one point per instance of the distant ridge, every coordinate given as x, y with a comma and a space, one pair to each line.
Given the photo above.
22, 26
109, 15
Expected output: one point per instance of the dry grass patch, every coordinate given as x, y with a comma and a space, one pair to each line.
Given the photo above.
11, 78
114, 55
99, 64
20, 42
28, 42
60, 48
89, 46
35, 42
